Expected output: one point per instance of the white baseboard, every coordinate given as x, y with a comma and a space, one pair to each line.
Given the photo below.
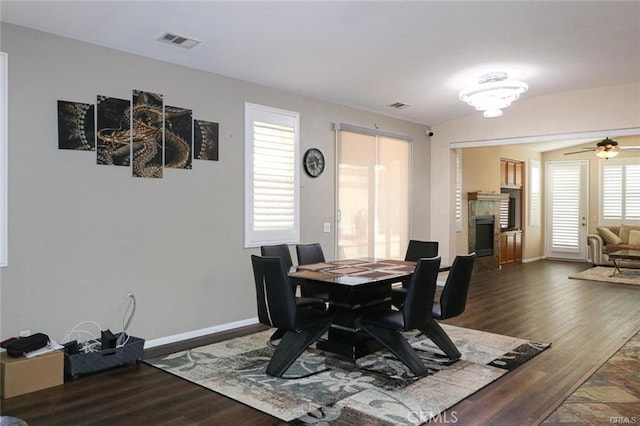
198, 333
533, 259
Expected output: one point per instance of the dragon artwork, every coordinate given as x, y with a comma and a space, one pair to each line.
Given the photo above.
113, 131
146, 136
141, 133
178, 128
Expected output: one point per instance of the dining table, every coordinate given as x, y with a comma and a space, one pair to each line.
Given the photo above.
356, 287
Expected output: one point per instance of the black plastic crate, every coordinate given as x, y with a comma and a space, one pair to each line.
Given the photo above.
91, 362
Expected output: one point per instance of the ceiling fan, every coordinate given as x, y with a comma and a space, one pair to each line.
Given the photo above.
606, 148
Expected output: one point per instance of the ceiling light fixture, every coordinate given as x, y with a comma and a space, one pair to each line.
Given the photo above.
607, 149
493, 93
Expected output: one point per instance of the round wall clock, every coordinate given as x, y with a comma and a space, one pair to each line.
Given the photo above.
313, 162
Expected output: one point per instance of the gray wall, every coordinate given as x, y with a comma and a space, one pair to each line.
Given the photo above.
81, 235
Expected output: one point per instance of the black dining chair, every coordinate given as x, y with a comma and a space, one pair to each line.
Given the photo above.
277, 308
386, 327
309, 254
282, 251
453, 299
416, 249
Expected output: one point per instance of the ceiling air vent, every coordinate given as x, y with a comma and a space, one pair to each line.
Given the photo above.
178, 40
399, 105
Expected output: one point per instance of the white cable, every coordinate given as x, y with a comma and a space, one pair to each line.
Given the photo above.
123, 337
70, 333
132, 304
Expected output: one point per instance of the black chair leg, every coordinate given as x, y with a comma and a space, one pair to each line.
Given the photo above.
398, 345
291, 347
434, 332
277, 334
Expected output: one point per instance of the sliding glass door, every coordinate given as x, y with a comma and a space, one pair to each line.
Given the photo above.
373, 195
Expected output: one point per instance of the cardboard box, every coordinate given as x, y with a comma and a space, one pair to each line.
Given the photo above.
24, 375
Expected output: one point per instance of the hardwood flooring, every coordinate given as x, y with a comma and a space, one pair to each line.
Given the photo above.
586, 322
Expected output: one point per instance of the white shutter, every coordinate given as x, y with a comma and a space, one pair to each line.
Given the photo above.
458, 190
566, 208
271, 176
535, 210
504, 213
620, 191
632, 192
612, 192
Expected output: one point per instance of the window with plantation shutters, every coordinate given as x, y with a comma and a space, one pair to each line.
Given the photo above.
620, 191
458, 190
271, 176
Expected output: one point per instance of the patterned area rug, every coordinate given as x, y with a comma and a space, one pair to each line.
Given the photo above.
377, 389
603, 273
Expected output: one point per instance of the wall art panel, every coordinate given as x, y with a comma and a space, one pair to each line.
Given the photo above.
76, 126
113, 131
205, 140
178, 137
148, 134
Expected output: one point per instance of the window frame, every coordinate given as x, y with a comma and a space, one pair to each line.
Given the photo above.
277, 116
3, 157
535, 193
623, 162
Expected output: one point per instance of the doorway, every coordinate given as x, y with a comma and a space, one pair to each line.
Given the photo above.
566, 210
373, 195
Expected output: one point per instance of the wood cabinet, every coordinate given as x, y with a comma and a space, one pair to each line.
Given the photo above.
511, 174
510, 247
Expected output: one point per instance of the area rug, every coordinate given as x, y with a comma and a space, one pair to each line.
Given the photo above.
602, 273
377, 389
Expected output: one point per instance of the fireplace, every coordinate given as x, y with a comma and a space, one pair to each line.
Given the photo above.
484, 229
484, 235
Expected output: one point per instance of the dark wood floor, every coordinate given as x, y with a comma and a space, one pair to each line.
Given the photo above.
585, 321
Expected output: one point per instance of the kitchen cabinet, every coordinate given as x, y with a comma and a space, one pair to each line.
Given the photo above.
511, 174
510, 247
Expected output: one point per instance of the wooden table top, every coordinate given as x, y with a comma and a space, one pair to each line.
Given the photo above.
353, 272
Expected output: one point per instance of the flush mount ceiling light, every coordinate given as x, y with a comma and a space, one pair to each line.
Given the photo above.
493, 93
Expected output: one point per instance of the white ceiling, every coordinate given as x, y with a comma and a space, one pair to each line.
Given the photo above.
368, 54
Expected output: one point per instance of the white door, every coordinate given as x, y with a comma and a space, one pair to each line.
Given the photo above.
566, 210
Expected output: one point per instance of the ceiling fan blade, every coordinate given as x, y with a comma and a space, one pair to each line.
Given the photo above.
630, 148
579, 152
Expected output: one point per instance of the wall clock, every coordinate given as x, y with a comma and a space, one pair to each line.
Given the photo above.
313, 162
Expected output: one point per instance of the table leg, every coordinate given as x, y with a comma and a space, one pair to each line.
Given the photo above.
616, 269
